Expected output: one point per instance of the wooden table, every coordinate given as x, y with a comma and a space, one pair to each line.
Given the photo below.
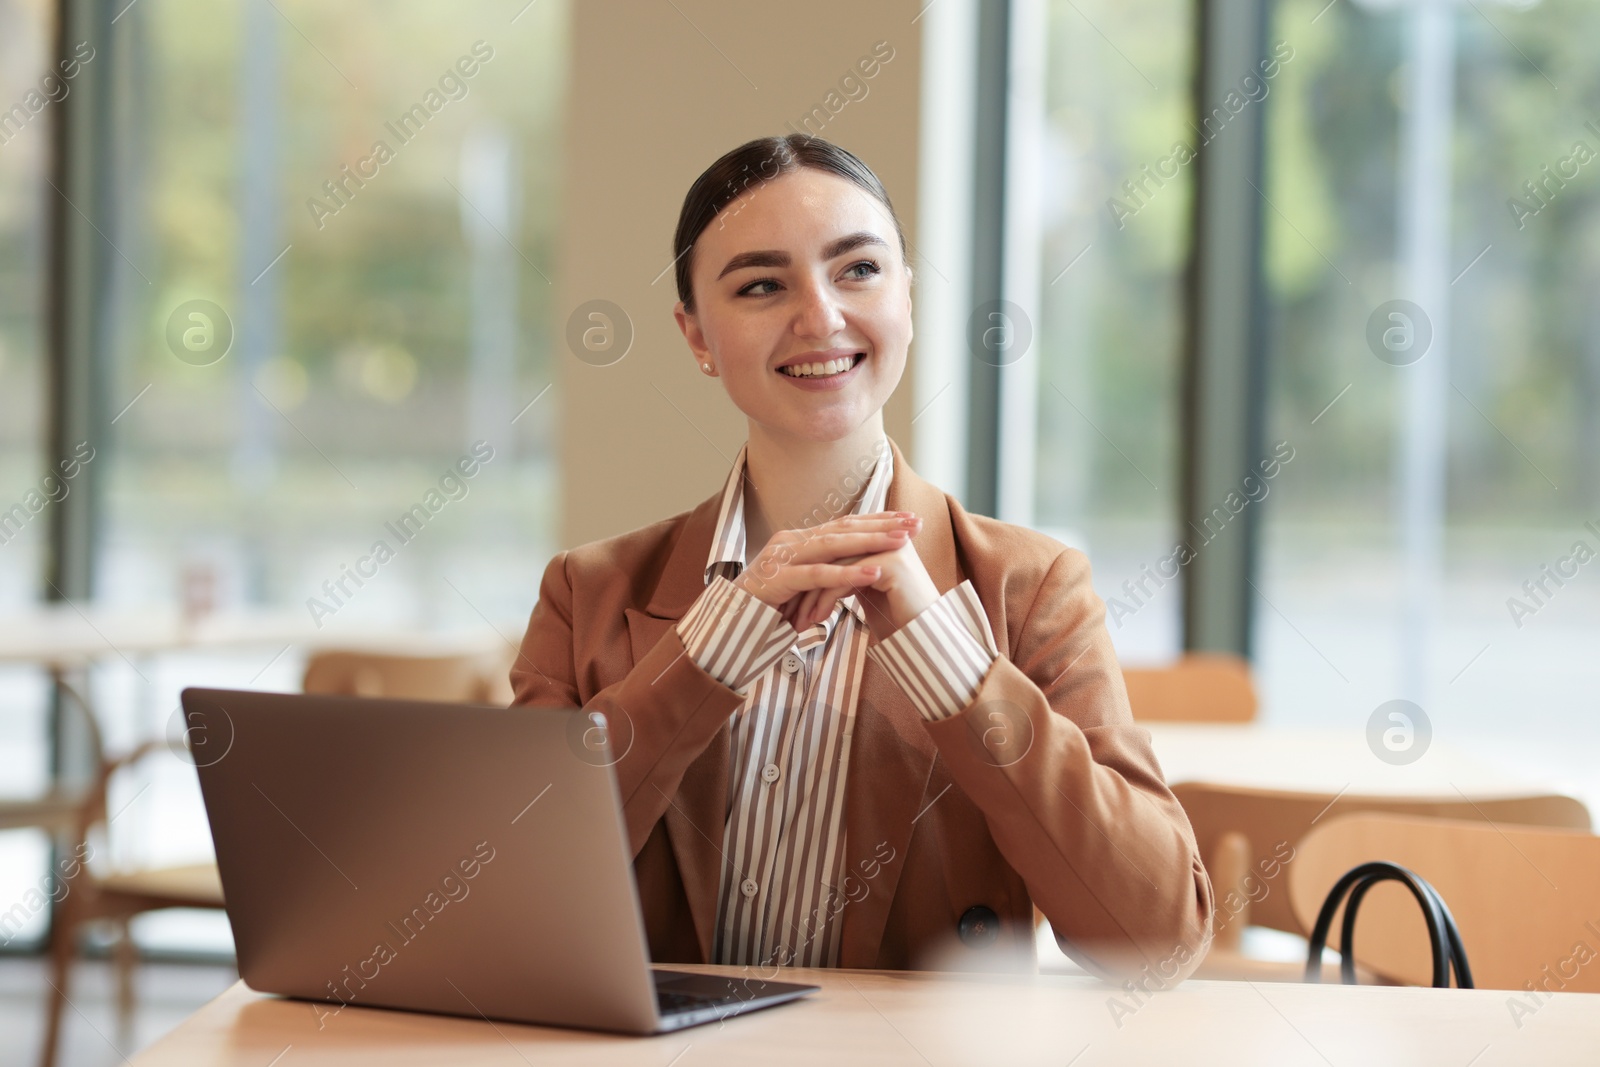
1321, 761
930, 1020
63, 636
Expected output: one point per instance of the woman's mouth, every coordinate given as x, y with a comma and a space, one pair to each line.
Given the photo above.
826, 375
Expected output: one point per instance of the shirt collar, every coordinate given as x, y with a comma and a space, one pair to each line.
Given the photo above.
728, 548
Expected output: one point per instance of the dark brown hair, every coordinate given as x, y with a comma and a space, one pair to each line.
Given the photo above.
752, 164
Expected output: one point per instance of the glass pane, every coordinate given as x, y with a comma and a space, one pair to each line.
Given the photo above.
1457, 437
339, 221
28, 89
1114, 237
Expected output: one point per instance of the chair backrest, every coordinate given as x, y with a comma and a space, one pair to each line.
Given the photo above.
465, 678
1526, 899
1273, 822
1198, 687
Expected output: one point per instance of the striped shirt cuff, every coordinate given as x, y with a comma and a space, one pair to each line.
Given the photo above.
939, 658
734, 635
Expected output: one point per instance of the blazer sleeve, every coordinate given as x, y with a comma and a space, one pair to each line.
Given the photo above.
660, 716
1073, 795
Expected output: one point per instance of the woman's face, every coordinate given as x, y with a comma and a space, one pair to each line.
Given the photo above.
805, 268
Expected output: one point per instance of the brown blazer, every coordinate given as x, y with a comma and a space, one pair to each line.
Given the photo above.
1044, 791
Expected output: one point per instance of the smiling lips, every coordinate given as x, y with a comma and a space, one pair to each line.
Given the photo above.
821, 371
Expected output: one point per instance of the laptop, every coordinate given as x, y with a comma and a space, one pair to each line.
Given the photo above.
434, 857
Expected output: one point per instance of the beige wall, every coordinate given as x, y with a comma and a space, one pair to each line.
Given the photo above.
656, 95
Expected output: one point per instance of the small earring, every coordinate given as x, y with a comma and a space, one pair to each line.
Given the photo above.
706, 367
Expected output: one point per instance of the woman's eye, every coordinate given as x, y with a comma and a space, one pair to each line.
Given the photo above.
855, 272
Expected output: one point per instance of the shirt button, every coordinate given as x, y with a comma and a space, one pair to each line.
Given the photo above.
748, 887
791, 663
770, 773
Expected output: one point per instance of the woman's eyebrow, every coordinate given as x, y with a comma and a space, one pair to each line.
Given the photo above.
775, 258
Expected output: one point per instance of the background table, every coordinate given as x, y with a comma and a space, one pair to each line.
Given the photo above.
63, 636
918, 1018
1322, 761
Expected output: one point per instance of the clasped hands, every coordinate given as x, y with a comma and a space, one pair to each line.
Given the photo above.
804, 573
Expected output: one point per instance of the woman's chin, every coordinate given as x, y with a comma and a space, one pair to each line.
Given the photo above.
825, 429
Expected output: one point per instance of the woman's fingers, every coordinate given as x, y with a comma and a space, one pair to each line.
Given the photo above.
827, 575
778, 573
823, 559
827, 599
834, 546
808, 608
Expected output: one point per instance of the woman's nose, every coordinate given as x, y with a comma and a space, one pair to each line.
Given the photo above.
818, 313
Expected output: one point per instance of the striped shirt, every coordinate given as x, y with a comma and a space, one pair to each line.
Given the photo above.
784, 842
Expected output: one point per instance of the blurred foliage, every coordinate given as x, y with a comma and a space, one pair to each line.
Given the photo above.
391, 268
1524, 338
1117, 99
1524, 324
25, 31
370, 370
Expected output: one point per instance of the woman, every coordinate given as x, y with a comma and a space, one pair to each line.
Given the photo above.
852, 724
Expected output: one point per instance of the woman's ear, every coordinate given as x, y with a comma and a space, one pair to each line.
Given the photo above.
689, 325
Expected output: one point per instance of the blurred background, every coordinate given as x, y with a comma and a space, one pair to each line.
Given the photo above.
1194, 220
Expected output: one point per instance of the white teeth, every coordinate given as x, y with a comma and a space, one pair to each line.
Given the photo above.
819, 370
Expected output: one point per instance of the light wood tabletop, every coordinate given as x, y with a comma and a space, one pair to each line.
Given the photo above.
63, 636
919, 1018
1323, 761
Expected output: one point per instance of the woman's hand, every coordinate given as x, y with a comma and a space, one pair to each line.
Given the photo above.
901, 592
803, 573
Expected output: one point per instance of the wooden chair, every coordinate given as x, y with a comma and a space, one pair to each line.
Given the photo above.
114, 896
55, 811
1248, 838
482, 678
1199, 687
117, 897
1526, 899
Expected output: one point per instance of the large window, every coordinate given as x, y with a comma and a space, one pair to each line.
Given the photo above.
26, 30
334, 243
1113, 226
367, 193
1424, 543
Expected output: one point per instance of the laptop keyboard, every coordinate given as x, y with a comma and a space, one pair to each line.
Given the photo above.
678, 992
673, 1003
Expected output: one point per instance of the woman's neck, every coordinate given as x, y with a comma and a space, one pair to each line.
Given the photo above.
789, 482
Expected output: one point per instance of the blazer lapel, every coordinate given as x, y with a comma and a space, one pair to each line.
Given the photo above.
891, 754
697, 817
